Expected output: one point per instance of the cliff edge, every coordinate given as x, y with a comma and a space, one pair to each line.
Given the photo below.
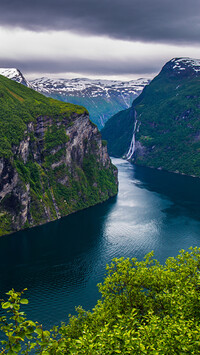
52, 159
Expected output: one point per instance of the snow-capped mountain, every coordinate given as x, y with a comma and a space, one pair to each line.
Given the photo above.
14, 74
102, 98
183, 67
85, 87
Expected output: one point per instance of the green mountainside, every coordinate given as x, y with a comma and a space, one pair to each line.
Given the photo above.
167, 135
52, 159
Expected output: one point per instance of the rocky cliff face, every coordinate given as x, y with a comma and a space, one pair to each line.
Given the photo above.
60, 166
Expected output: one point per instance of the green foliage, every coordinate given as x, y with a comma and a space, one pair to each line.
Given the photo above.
85, 186
30, 173
5, 222
54, 158
5, 147
19, 106
37, 208
22, 335
101, 180
146, 308
55, 136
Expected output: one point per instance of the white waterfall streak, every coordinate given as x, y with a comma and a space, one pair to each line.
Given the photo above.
132, 145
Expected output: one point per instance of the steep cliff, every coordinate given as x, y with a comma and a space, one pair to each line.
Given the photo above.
52, 159
165, 120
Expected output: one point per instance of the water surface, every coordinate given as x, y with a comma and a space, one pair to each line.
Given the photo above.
61, 262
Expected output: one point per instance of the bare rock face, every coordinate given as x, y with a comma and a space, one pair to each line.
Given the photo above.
8, 178
84, 136
60, 166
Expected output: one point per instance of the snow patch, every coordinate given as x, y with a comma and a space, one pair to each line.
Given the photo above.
87, 87
184, 63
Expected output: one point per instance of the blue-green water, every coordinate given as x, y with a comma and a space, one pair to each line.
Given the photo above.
60, 263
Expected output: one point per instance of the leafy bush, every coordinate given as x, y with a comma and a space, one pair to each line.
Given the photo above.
146, 308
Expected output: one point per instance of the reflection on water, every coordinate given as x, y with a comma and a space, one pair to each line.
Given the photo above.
60, 263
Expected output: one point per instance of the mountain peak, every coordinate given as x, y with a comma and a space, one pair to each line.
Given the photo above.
14, 74
183, 66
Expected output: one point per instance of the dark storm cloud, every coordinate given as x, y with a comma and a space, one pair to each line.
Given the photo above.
169, 21
84, 66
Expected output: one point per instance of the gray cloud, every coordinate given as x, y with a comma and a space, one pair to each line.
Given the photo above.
83, 66
167, 21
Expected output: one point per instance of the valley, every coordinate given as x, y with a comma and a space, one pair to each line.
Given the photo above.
100, 177
53, 164
102, 98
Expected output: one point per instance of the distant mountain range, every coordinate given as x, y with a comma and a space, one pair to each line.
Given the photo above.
102, 98
164, 121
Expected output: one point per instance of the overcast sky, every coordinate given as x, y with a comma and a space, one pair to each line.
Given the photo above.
118, 39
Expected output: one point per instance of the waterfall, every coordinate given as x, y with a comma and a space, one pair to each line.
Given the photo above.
132, 145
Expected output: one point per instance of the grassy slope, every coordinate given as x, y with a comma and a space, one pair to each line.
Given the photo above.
18, 106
